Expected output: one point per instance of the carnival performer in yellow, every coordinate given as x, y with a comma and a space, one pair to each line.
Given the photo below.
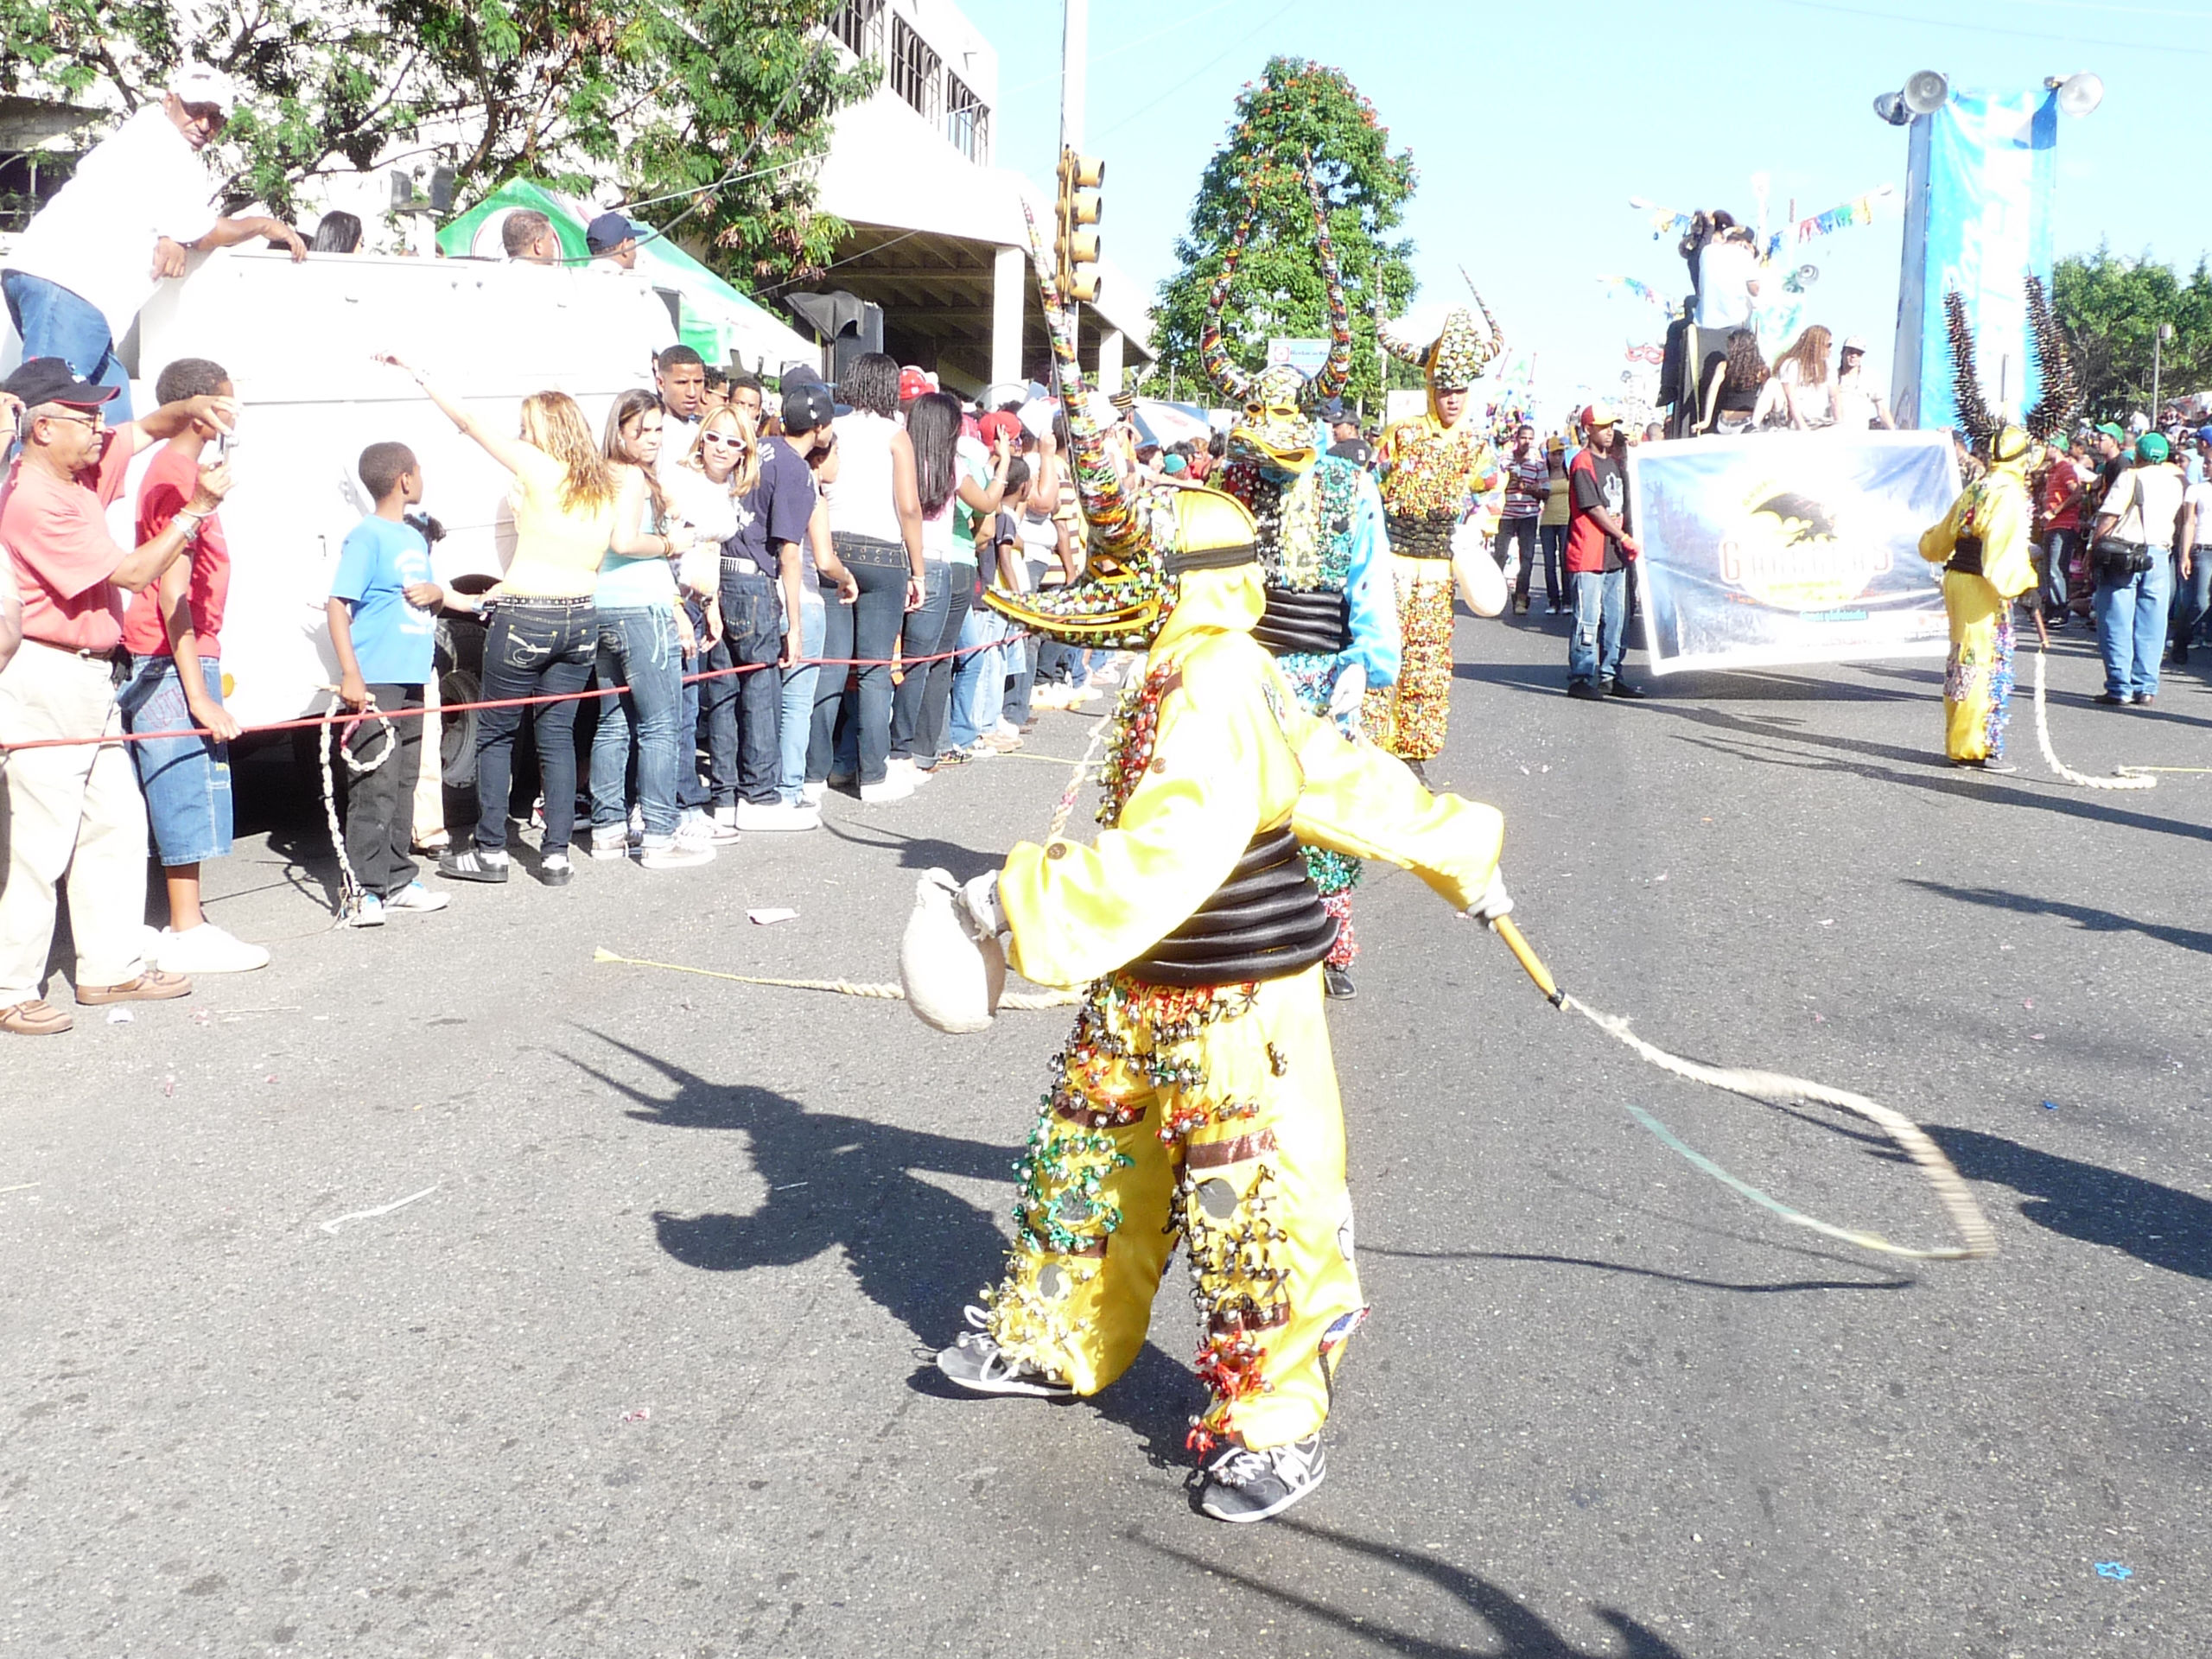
1982, 546
1196, 1097
1435, 472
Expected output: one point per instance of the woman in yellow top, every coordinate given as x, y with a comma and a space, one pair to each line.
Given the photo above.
1551, 526
544, 627
1982, 546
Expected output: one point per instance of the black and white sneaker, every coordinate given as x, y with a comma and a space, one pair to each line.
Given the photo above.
1337, 981
1242, 1485
977, 1363
473, 863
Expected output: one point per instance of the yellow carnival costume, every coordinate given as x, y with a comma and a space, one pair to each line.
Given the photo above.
1197, 1097
1435, 470
1983, 545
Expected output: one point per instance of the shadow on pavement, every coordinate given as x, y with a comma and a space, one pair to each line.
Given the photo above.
1520, 1633
838, 1182
1766, 1289
2096, 921
2160, 1225
922, 852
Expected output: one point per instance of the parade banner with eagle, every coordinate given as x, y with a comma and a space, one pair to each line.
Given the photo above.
1789, 547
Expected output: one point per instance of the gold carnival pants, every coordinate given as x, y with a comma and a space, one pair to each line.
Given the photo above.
1408, 718
1210, 1115
1978, 678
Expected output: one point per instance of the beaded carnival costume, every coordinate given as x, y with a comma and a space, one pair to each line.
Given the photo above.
1196, 1098
1331, 621
1435, 470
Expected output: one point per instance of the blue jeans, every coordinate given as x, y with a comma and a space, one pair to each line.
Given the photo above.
867, 630
1593, 647
186, 780
922, 636
979, 678
796, 718
708, 722
1020, 657
753, 633
1553, 537
54, 322
2192, 598
534, 647
2058, 547
637, 648
2132, 628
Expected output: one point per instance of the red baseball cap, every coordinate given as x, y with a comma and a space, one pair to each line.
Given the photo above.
998, 421
914, 383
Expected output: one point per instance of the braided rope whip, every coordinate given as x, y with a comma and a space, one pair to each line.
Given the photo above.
841, 986
1081, 770
349, 885
2129, 778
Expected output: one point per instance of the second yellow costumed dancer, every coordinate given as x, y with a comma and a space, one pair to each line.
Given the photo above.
1196, 1096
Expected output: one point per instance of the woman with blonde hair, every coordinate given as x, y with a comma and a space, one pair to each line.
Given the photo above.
643, 635
1799, 391
543, 632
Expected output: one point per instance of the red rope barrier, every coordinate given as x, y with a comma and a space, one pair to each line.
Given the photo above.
310, 723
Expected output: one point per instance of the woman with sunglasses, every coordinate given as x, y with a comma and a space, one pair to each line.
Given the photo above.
643, 635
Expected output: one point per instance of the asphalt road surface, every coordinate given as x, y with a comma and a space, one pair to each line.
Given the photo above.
638, 1364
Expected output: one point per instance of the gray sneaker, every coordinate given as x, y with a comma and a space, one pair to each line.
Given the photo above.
976, 1363
1242, 1485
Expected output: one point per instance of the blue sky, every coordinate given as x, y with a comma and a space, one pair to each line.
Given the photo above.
1532, 124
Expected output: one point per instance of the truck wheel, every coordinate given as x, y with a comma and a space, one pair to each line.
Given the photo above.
459, 665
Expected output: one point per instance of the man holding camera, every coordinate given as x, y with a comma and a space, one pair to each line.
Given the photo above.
75, 809
2137, 521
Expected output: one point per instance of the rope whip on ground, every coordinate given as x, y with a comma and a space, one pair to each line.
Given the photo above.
2129, 778
1976, 1237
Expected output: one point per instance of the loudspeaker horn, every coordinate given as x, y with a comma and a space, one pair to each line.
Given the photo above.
2079, 94
1926, 92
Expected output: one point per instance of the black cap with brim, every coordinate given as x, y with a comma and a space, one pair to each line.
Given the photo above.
609, 231
807, 404
50, 380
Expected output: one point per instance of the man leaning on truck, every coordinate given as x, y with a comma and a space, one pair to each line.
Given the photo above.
140, 199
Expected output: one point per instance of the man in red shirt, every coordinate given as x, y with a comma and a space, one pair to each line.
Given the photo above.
2060, 494
1598, 548
75, 809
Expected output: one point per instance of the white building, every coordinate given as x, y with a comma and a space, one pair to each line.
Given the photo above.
937, 237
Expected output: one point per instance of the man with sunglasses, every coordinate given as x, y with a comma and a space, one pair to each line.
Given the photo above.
139, 202
74, 809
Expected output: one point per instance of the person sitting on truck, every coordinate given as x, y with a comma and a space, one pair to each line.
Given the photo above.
613, 239
139, 200
383, 612
529, 238
544, 630
337, 232
172, 633
74, 809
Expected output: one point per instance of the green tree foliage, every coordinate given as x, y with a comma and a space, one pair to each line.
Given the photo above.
2111, 310
654, 97
1295, 108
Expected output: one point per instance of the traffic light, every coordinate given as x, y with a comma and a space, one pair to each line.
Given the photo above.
1081, 201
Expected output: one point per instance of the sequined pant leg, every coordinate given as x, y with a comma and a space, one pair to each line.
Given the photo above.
1267, 1220
1408, 718
1978, 678
1335, 874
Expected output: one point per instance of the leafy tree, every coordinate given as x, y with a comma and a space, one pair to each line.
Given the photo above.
1295, 108
660, 97
2111, 310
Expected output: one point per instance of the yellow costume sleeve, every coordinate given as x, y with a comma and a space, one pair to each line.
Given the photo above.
1362, 801
1938, 541
2005, 563
1077, 913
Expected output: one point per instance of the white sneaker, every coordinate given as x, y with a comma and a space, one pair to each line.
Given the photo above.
696, 825
1000, 742
1004, 728
207, 949
893, 788
1050, 696
1080, 695
367, 911
612, 841
776, 817
811, 794
726, 816
415, 896
676, 855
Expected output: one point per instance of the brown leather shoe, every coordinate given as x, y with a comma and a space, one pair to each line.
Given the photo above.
36, 1018
151, 986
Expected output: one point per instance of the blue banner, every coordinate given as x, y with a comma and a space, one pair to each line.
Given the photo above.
1789, 547
1978, 215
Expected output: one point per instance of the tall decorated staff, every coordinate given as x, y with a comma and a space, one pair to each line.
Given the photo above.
1435, 472
1331, 619
1197, 1097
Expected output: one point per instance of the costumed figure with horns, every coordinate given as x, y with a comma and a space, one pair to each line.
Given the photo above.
1435, 472
1331, 621
1196, 1097
1983, 542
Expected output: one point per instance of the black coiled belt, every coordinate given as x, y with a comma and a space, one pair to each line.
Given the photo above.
1421, 535
1296, 621
1966, 556
1264, 922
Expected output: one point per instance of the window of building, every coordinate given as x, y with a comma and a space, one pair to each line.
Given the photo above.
913, 69
858, 24
967, 122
